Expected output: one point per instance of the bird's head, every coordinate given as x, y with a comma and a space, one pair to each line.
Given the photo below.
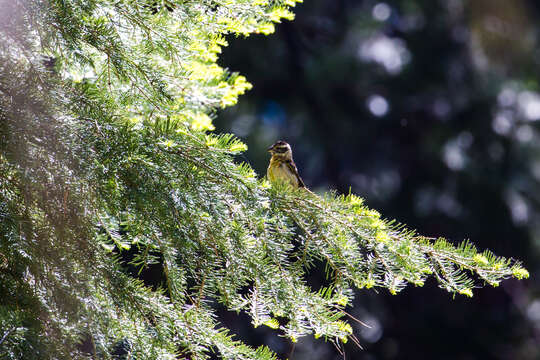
280, 148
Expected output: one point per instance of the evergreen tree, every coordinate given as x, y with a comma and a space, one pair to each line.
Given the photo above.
125, 220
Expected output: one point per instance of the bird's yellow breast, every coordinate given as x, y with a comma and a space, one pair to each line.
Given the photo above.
278, 171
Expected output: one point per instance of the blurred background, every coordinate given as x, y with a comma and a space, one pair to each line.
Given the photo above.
429, 109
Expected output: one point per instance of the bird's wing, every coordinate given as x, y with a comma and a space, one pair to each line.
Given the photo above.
292, 167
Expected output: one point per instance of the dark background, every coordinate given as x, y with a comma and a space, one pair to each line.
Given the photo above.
429, 110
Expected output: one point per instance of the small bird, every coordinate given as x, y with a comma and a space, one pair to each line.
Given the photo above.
282, 167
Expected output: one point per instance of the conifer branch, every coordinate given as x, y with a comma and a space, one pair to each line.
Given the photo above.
109, 168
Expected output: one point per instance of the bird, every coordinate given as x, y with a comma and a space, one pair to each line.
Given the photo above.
282, 167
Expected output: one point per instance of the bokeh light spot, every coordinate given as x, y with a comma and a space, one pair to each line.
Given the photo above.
381, 12
378, 105
529, 105
390, 53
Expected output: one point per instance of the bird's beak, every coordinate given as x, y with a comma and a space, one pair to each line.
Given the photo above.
270, 148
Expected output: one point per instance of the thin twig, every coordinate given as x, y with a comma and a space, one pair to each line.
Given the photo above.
6, 335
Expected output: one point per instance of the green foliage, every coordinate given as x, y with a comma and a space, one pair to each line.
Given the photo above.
105, 150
